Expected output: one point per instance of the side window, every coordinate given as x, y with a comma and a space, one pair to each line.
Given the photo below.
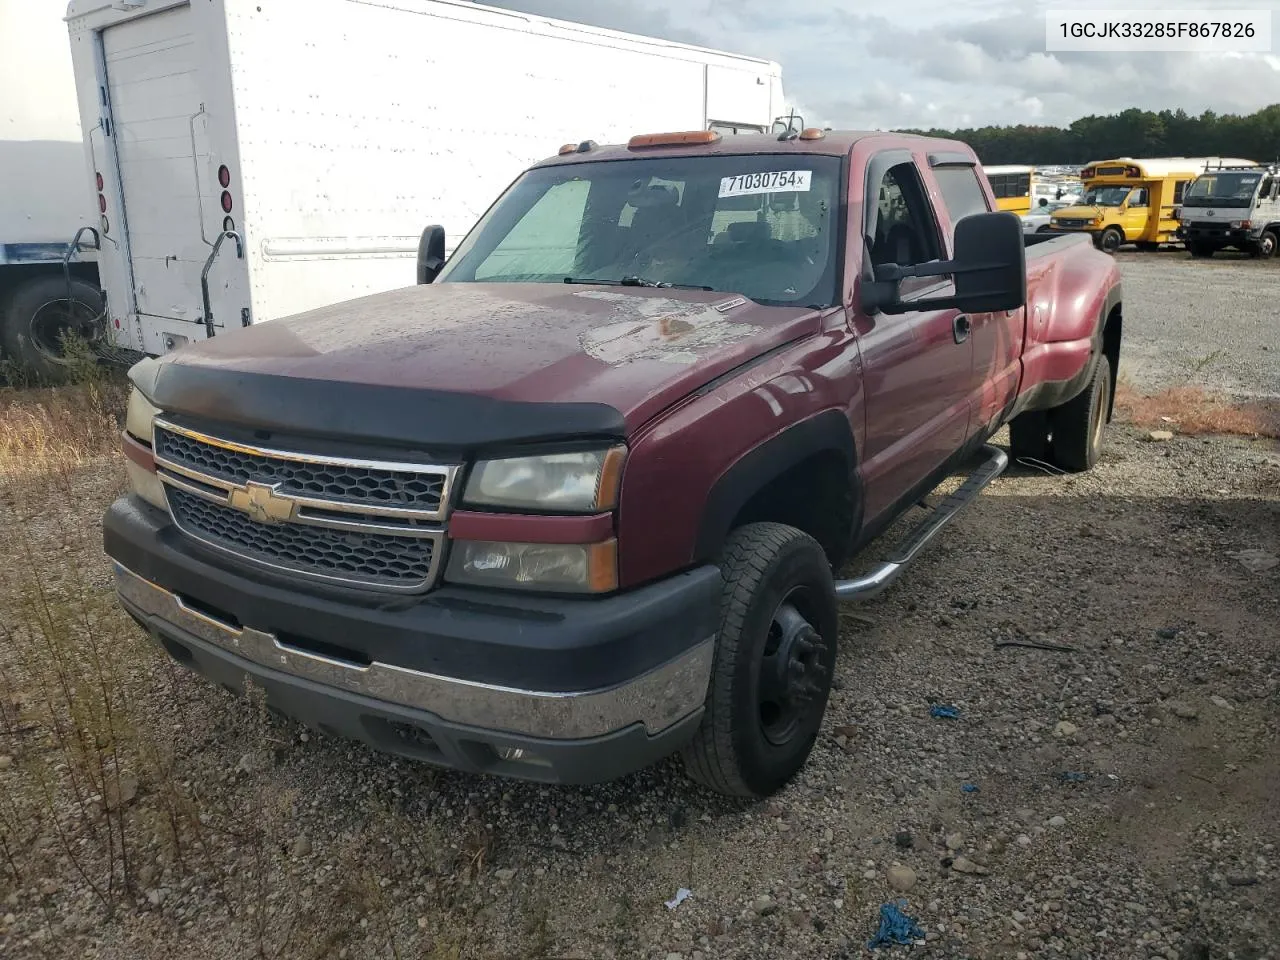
1179, 189
1267, 188
905, 230
544, 242
1138, 198
961, 191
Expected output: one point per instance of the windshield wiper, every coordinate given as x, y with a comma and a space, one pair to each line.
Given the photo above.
639, 282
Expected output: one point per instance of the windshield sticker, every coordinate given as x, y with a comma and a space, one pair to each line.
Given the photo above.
772, 181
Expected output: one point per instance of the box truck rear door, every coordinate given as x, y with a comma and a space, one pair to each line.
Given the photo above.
154, 89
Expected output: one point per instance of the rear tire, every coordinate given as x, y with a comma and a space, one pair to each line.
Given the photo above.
1110, 240
774, 660
1029, 436
1266, 247
1079, 425
37, 313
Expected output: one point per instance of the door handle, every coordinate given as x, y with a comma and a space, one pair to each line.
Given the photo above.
960, 328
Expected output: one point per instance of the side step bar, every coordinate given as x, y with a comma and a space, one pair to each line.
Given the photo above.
879, 579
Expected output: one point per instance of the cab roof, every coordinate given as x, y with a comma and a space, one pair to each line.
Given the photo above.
833, 143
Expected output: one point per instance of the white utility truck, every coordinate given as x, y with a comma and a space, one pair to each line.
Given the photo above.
44, 196
1232, 205
259, 158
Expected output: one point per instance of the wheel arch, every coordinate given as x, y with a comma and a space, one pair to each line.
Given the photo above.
817, 457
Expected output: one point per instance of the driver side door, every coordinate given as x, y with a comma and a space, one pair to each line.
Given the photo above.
918, 366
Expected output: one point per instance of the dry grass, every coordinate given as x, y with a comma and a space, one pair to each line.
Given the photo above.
111, 808
59, 428
1193, 410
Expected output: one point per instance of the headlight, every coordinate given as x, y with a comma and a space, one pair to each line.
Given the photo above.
580, 482
142, 478
560, 567
140, 415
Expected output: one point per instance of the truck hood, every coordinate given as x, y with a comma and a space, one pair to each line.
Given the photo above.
467, 364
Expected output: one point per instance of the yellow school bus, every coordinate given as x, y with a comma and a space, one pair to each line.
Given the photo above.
1011, 184
1132, 201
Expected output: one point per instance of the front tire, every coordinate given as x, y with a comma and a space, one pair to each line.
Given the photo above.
775, 656
1079, 425
1110, 240
1266, 247
1200, 250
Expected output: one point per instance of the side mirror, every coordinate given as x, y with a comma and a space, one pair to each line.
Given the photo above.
430, 253
989, 269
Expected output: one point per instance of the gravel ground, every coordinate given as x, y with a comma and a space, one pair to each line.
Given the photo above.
1109, 789
1213, 322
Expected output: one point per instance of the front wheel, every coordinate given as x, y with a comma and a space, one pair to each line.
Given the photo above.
1110, 240
775, 656
1200, 250
1266, 248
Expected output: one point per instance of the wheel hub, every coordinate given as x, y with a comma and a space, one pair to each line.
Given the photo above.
793, 672
56, 319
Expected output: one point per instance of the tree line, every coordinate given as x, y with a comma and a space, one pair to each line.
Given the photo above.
1130, 133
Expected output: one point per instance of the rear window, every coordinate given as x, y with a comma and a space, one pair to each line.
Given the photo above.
961, 191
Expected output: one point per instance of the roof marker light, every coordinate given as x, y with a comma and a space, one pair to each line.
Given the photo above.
688, 138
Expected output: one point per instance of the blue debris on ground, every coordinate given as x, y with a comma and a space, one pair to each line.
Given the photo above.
895, 927
943, 712
970, 788
1071, 776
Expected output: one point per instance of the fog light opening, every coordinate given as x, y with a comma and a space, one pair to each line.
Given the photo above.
519, 755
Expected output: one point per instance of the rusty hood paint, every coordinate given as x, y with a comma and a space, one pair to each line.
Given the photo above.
637, 350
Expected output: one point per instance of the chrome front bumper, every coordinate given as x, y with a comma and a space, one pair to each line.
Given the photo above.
657, 700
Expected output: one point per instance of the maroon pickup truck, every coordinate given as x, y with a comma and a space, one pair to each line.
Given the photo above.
573, 503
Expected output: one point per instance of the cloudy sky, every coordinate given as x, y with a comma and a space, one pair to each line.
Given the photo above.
945, 63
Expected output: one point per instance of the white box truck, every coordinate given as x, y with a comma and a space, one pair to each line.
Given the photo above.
45, 198
259, 158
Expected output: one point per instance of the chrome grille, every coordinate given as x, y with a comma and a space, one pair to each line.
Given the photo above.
371, 558
364, 523
1070, 223
350, 482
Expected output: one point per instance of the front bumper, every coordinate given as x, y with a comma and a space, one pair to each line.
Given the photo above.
1222, 236
405, 681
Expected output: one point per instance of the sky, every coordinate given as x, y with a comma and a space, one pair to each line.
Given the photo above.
882, 64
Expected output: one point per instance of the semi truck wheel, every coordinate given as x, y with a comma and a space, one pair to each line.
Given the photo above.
38, 316
1266, 248
1110, 240
1080, 424
775, 654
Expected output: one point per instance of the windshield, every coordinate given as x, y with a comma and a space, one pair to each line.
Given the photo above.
1222, 190
1105, 196
763, 226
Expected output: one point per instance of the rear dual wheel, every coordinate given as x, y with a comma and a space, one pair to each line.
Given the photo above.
1070, 436
39, 318
774, 661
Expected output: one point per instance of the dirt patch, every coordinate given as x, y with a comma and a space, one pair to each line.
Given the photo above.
1194, 410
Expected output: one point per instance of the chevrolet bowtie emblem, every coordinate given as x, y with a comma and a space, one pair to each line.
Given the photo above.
261, 503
